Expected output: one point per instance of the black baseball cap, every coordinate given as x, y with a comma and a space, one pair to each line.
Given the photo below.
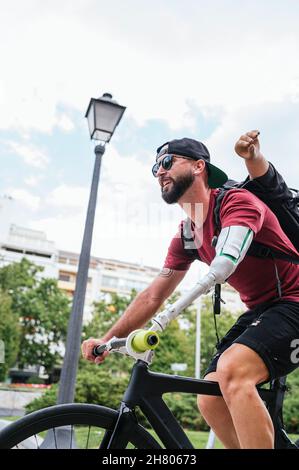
197, 150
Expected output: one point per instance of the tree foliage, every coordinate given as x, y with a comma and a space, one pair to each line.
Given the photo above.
42, 311
105, 384
105, 314
9, 334
291, 403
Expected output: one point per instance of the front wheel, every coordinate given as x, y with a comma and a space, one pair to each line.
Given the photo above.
70, 426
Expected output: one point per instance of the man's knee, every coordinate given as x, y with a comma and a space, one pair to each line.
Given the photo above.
240, 368
208, 403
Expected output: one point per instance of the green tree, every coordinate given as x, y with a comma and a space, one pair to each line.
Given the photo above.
174, 347
106, 383
105, 314
208, 337
44, 316
18, 277
42, 310
291, 403
9, 334
176, 343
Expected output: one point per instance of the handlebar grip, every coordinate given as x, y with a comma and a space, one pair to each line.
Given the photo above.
98, 350
145, 340
115, 343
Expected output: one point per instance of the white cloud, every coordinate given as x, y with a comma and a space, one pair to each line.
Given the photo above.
66, 197
33, 180
156, 58
64, 122
24, 198
66, 232
278, 124
30, 154
153, 60
131, 219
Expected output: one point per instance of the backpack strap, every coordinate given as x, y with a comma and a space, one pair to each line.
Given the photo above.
187, 238
230, 184
259, 250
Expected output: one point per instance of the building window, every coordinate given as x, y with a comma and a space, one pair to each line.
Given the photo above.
129, 284
64, 277
109, 281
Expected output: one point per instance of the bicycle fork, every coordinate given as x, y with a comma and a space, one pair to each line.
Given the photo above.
119, 436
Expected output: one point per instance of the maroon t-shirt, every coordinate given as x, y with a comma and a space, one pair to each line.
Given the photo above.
254, 278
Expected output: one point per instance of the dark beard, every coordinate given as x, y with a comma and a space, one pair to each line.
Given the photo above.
179, 187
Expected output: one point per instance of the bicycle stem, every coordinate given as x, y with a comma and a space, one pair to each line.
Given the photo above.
203, 286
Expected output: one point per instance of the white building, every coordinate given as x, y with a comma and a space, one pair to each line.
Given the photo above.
104, 276
33, 244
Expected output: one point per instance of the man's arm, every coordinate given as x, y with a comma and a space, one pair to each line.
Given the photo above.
248, 147
232, 245
142, 309
146, 304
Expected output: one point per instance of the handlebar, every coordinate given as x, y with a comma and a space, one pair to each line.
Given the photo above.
115, 343
138, 341
98, 350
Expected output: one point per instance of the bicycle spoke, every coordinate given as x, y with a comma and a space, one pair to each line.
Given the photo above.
37, 445
54, 432
72, 427
88, 437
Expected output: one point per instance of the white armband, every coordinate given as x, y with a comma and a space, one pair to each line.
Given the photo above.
232, 245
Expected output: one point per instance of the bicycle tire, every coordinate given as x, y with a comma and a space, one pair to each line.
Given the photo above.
69, 415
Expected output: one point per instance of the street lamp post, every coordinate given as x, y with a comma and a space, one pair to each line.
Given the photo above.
103, 115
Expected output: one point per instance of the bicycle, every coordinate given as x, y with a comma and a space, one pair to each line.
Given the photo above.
120, 428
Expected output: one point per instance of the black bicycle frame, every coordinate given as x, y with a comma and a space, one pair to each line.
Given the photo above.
146, 389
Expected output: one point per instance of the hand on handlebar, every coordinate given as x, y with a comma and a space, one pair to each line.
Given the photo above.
88, 347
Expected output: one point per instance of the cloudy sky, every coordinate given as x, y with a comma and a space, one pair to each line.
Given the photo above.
204, 69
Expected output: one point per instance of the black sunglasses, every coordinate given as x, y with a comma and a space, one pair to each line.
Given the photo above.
166, 162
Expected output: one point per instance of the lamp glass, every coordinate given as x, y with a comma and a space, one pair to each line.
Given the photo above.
90, 119
103, 116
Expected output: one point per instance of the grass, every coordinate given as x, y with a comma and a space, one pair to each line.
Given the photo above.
198, 439
10, 418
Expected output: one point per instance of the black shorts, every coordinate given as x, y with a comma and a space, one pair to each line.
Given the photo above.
272, 331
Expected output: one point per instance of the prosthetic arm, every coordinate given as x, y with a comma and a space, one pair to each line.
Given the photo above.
232, 245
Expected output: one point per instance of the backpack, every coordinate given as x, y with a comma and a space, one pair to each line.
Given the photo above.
284, 203
273, 191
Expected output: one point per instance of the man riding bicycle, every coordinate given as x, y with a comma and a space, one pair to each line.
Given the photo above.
258, 347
